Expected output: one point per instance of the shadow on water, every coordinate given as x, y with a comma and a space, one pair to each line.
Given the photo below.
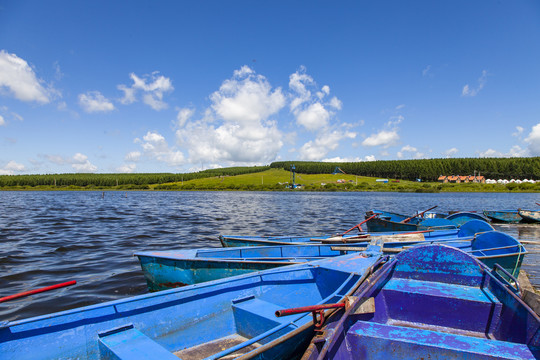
52, 237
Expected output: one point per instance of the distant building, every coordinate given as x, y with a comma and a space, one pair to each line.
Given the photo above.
477, 179
456, 179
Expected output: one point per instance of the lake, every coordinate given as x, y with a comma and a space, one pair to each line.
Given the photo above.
90, 236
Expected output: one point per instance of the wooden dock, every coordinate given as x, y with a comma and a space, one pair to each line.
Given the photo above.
530, 295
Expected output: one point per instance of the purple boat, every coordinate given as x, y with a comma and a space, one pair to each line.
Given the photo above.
431, 302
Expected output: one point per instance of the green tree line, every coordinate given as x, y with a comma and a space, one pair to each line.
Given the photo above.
426, 169
111, 180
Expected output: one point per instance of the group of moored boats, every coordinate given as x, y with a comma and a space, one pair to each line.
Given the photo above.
513, 216
445, 288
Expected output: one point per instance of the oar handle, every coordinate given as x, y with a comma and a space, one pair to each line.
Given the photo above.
422, 213
37, 291
358, 225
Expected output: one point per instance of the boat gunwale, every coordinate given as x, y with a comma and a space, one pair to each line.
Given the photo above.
222, 284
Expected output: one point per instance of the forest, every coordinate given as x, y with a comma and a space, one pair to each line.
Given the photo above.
427, 170
121, 181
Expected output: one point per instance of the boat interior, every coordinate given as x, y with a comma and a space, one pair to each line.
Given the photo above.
442, 313
229, 317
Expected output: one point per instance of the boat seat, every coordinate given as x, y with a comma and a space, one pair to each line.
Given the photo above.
371, 340
126, 342
253, 316
457, 306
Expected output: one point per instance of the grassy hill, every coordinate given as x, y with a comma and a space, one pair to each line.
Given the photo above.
269, 178
250, 179
279, 180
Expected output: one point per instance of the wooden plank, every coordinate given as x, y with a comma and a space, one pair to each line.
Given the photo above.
400, 237
532, 299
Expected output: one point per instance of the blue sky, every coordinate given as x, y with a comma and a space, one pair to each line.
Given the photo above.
177, 86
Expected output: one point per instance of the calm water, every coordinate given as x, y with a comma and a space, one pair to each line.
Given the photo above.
52, 237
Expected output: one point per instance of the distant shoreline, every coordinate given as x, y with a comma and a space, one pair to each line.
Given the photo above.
247, 179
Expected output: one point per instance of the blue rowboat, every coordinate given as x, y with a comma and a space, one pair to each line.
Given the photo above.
431, 302
472, 227
529, 216
461, 218
210, 320
175, 268
385, 224
503, 216
392, 216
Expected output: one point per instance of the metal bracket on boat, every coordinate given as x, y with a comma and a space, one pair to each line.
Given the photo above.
316, 310
515, 286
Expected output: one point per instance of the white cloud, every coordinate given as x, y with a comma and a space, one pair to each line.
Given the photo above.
490, 153
533, 139
335, 103
314, 117
126, 168
467, 91
156, 147
349, 159
80, 163
517, 151
519, 131
246, 98
384, 138
153, 87
6, 115
11, 168
451, 152
401, 106
93, 101
409, 151
323, 144
236, 128
426, 71
133, 156
370, 158
184, 115
20, 80
311, 111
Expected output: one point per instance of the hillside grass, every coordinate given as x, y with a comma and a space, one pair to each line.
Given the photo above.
275, 179
279, 179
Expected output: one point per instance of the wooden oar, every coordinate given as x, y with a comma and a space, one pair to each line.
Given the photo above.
352, 248
366, 237
528, 242
418, 214
339, 237
358, 225
36, 291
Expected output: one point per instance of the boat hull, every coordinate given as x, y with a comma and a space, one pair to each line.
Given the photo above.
177, 321
470, 228
431, 302
381, 224
503, 216
461, 218
167, 269
529, 216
